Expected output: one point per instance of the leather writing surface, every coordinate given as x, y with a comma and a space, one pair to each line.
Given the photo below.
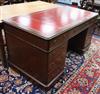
51, 22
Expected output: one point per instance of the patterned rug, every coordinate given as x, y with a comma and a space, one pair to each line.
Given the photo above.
81, 75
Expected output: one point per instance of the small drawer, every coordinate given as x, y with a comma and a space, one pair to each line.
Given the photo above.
57, 41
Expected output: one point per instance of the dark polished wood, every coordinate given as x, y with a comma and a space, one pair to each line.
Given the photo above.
44, 61
37, 43
81, 42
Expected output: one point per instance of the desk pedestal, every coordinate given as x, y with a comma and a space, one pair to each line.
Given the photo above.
81, 42
42, 60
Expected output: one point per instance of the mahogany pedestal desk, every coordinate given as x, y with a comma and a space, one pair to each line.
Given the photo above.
37, 42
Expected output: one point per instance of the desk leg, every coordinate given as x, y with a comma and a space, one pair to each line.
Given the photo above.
2, 49
81, 42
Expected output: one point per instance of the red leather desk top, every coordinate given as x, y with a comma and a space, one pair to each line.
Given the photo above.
52, 22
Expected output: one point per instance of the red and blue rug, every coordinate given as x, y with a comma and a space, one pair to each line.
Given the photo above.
81, 75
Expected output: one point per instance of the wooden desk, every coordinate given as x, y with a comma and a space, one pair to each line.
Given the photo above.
9, 11
37, 42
